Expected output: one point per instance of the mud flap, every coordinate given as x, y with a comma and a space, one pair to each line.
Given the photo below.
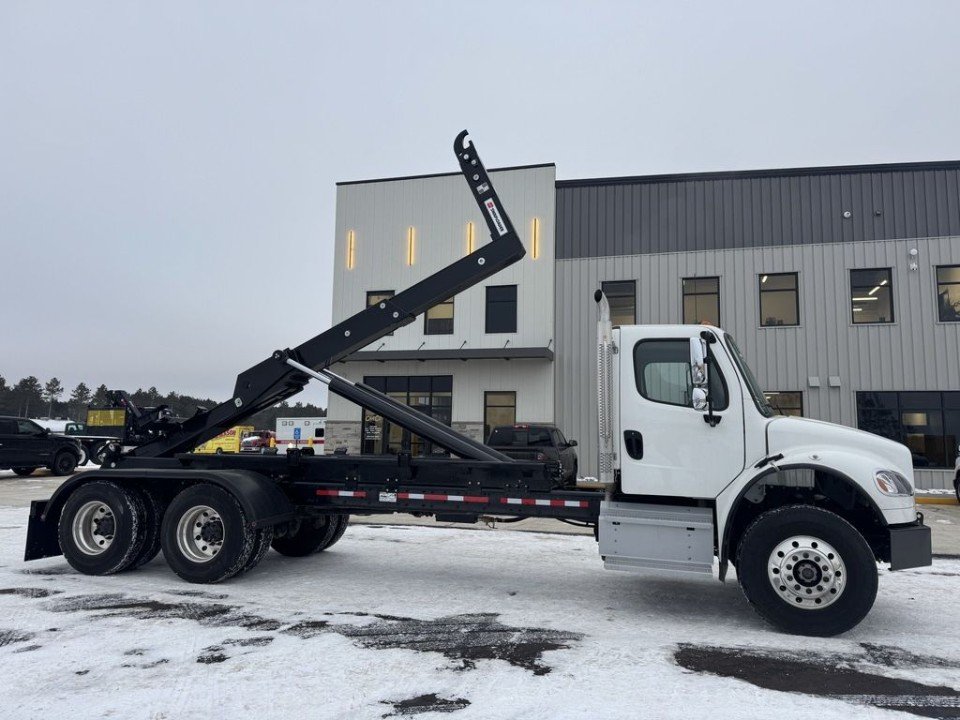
42, 538
910, 546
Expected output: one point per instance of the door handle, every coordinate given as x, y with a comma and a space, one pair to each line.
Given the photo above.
633, 442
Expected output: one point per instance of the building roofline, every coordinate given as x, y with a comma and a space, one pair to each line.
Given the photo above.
444, 174
771, 173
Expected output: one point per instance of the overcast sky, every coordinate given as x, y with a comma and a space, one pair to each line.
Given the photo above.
168, 170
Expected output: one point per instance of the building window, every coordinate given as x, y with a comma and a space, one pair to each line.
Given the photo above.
701, 301
871, 295
375, 297
948, 293
622, 296
786, 402
501, 309
662, 369
438, 320
499, 408
779, 300
430, 394
926, 422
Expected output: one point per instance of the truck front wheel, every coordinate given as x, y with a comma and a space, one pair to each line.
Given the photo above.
205, 536
807, 571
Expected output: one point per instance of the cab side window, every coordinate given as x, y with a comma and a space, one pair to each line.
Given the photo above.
8, 427
662, 369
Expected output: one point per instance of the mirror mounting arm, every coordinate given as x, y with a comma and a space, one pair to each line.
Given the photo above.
710, 419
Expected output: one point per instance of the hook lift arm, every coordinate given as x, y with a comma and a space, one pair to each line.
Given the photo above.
286, 372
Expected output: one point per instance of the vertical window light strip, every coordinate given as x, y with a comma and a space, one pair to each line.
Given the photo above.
351, 249
535, 238
470, 245
411, 245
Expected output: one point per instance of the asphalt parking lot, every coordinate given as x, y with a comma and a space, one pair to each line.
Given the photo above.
399, 620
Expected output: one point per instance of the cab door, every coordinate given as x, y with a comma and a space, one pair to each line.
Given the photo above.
666, 446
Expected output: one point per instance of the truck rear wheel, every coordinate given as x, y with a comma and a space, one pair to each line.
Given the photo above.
807, 571
313, 535
204, 535
102, 528
261, 546
152, 517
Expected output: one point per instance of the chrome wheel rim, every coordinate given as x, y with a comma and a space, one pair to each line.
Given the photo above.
807, 572
200, 534
93, 528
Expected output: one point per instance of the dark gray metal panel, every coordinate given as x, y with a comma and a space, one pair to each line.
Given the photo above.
636, 216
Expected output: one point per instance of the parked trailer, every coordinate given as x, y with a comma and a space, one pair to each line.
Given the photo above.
693, 467
301, 432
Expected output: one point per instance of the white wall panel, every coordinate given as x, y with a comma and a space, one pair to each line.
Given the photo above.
439, 208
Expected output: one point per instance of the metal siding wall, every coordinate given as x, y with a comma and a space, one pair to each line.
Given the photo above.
704, 214
916, 352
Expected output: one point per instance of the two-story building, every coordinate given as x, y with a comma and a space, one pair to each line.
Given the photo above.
841, 285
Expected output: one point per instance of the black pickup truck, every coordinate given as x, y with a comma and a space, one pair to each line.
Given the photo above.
541, 442
25, 446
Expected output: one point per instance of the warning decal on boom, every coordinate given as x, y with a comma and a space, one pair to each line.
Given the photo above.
495, 216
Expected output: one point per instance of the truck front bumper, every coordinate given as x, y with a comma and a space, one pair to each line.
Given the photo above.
910, 545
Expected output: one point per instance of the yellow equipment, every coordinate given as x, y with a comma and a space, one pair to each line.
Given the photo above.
226, 442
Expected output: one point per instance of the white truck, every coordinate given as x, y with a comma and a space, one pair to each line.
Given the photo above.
697, 466
695, 470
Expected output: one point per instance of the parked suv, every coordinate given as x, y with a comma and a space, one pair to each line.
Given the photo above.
25, 446
541, 442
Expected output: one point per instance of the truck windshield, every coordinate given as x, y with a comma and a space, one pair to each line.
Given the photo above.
755, 391
520, 437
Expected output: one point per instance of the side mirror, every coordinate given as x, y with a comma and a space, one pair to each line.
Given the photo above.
699, 399
698, 362
44, 431
571, 443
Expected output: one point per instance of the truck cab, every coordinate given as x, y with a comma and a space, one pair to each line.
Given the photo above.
698, 465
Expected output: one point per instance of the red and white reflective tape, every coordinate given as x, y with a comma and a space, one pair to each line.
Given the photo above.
546, 503
343, 493
435, 497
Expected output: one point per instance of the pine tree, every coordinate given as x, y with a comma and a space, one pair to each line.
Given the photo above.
51, 393
26, 392
101, 397
80, 397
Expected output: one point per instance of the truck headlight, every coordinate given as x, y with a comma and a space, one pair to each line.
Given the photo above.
890, 482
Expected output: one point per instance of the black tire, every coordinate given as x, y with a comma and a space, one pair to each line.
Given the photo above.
261, 546
101, 514
758, 550
219, 451
313, 535
64, 463
344, 521
152, 517
956, 487
231, 541
24, 471
96, 453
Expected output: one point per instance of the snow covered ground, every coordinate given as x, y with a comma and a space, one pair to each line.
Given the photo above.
412, 621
